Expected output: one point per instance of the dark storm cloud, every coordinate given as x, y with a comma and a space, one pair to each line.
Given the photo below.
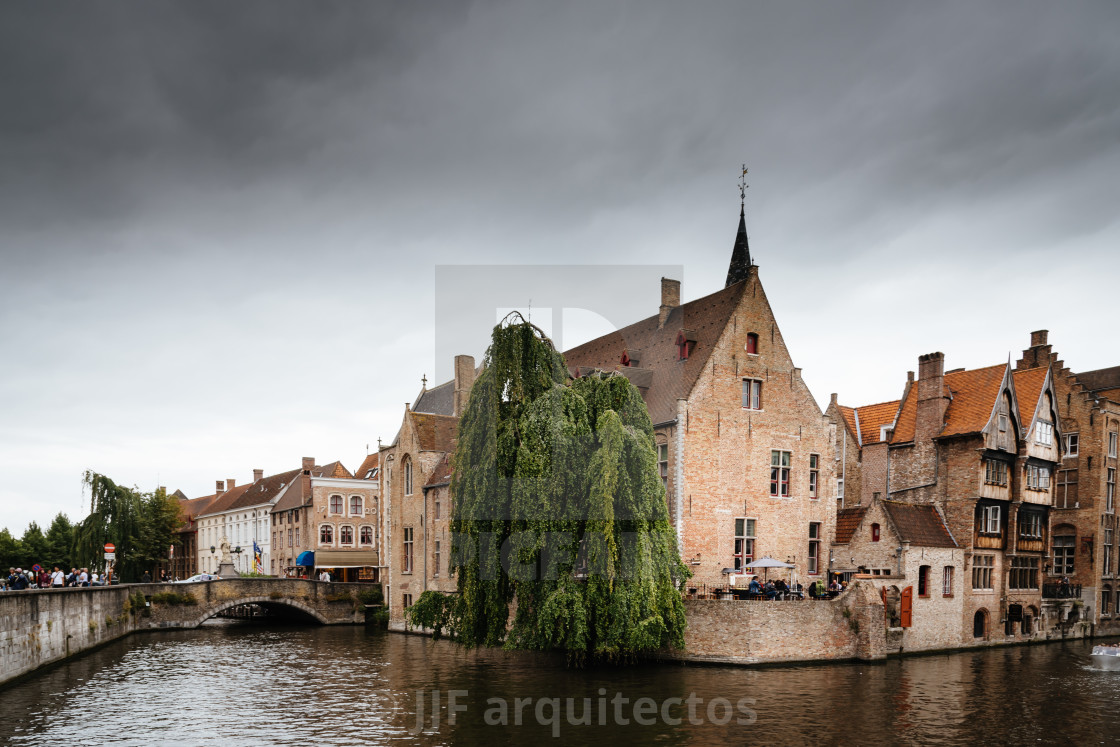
196, 195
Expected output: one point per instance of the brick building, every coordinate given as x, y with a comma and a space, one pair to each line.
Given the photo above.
1084, 529
184, 564
326, 518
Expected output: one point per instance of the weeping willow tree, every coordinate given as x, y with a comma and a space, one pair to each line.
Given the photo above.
559, 512
141, 525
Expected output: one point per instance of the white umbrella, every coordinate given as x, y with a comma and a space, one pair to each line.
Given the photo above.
768, 562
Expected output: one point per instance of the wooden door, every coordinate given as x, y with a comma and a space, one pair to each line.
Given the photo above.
907, 610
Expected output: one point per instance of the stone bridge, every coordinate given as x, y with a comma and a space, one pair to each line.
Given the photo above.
42, 626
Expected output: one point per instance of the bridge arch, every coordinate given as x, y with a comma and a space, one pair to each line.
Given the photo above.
264, 601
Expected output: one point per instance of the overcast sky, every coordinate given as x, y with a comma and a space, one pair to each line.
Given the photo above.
220, 223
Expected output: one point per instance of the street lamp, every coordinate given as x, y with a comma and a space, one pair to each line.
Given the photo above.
238, 551
212, 551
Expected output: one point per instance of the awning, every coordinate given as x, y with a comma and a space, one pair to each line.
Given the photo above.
306, 559
345, 558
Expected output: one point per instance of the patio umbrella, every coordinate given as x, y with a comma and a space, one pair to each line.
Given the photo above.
769, 562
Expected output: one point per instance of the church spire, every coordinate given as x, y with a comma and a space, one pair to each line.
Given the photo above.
741, 254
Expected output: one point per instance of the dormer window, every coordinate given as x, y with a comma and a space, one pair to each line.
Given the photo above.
752, 344
631, 358
685, 344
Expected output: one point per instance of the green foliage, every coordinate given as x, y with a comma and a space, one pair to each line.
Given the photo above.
34, 546
60, 539
344, 597
378, 618
173, 598
371, 595
11, 551
141, 525
557, 504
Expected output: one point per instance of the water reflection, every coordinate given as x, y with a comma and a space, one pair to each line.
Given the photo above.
227, 685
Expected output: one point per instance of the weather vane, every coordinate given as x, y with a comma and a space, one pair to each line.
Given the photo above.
743, 186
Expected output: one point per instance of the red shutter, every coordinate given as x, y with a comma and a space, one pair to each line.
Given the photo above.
907, 606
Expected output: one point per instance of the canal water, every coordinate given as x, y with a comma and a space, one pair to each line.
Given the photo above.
235, 685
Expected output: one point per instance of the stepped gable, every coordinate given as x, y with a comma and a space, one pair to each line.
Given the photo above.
668, 379
435, 432
847, 522
973, 396
920, 524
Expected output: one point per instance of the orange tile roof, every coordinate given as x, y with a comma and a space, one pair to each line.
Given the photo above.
1028, 390
372, 461
847, 522
918, 524
872, 418
973, 394
849, 415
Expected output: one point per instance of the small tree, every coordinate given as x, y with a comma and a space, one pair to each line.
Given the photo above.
60, 539
557, 504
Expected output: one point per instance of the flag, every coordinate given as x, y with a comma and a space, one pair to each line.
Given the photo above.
257, 562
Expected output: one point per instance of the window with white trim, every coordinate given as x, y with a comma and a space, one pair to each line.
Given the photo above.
752, 394
814, 475
982, 566
1073, 443
1064, 546
1112, 444
326, 534
365, 535
1110, 490
814, 547
779, 473
989, 519
346, 534
436, 557
995, 472
407, 476
1030, 524
335, 506
1044, 433
406, 547
356, 505
744, 543
1107, 570
663, 463
1038, 477
947, 581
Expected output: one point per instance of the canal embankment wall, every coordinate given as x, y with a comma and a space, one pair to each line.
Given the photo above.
39, 627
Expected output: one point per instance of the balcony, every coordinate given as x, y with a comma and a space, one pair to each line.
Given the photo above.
1061, 591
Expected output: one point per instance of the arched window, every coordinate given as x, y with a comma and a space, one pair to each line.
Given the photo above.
874, 532
980, 624
365, 535
326, 534
346, 535
336, 504
407, 476
355, 505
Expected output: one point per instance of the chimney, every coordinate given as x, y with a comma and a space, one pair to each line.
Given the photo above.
464, 380
258, 475
670, 299
832, 398
230, 483
932, 399
219, 487
1038, 354
308, 465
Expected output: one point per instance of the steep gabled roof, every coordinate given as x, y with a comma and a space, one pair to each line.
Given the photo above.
439, 400
334, 469
371, 462
847, 522
669, 379
865, 423
442, 473
973, 396
918, 524
1028, 390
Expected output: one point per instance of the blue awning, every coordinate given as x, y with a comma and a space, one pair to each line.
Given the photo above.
306, 559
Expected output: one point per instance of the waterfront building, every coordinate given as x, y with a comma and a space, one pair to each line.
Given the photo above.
326, 518
1085, 531
184, 563
980, 448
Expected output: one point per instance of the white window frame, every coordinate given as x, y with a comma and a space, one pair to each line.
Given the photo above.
814, 476
342, 542
1073, 445
1044, 433
752, 394
1110, 490
1112, 437
372, 535
739, 554
407, 546
334, 535
989, 520
341, 504
947, 581
995, 472
1038, 477
361, 505
781, 473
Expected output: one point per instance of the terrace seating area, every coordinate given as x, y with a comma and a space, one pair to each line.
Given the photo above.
780, 593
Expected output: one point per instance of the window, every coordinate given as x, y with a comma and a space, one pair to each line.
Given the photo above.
923, 581
1030, 525
336, 504
814, 474
1002, 437
752, 394
982, 571
1023, 574
326, 534
407, 565
1072, 444
1107, 569
840, 490
1112, 444
290, 538
1110, 490
297, 536
1066, 494
436, 510
752, 343
1106, 601
365, 535
779, 473
1044, 433
989, 520
1038, 477
995, 472
814, 547
407, 600
346, 534
663, 463
685, 346
744, 543
1064, 546
874, 532
407, 476
355, 505
947, 581
436, 558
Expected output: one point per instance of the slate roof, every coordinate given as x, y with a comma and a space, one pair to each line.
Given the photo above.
1101, 379
442, 473
974, 396
867, 426
435, 432
668, 379
438, 400
847, 521
918, 524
